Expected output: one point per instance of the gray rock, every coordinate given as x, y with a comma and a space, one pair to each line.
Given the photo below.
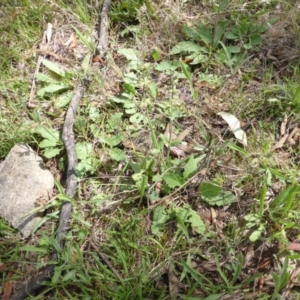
25, 183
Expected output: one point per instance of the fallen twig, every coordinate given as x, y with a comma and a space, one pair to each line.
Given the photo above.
35, 285
103, 30
51, 53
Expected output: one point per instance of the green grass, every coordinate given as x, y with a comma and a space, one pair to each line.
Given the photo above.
166, 193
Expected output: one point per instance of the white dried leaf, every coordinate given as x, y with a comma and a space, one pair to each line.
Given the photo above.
178, 152
49, 32
235, 127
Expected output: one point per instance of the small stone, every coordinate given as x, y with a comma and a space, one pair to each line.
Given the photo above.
24, 183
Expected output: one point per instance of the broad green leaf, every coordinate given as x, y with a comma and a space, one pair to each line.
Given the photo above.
69, 276
52, 89
56, 275
112, 140
84, 167
129, 104
167, 65
94, 113
218, 33
252, 220
209, 190
155, 55
196, 222
95, 130
134, 65
44, 78
153, 89
182, 212
205, 34
231, 36
137, 177
224, 198
255, 235
129, 53
160, 217
173, 180
131, 79
191, 166
114, 122
197, 58
215, 195
137, 118
191, 33
234, 49
187, 47
135, 167
117, 154
256, 39
223, 5
154, 196
83, 150
51, 152
53, 67
63, 100
47, 133
48, 143
131, 111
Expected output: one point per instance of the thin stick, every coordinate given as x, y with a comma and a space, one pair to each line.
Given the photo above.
35, 285
103, 31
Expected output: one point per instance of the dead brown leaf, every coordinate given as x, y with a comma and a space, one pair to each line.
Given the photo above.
184, 133
169, 134
178, 152
201, 84
293, 246
296, 136
213, 215
185, 148
281, 142
291, 138
7, 288
293, 280
283, 126
4, 267
182, 149
98, 58
72, 41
